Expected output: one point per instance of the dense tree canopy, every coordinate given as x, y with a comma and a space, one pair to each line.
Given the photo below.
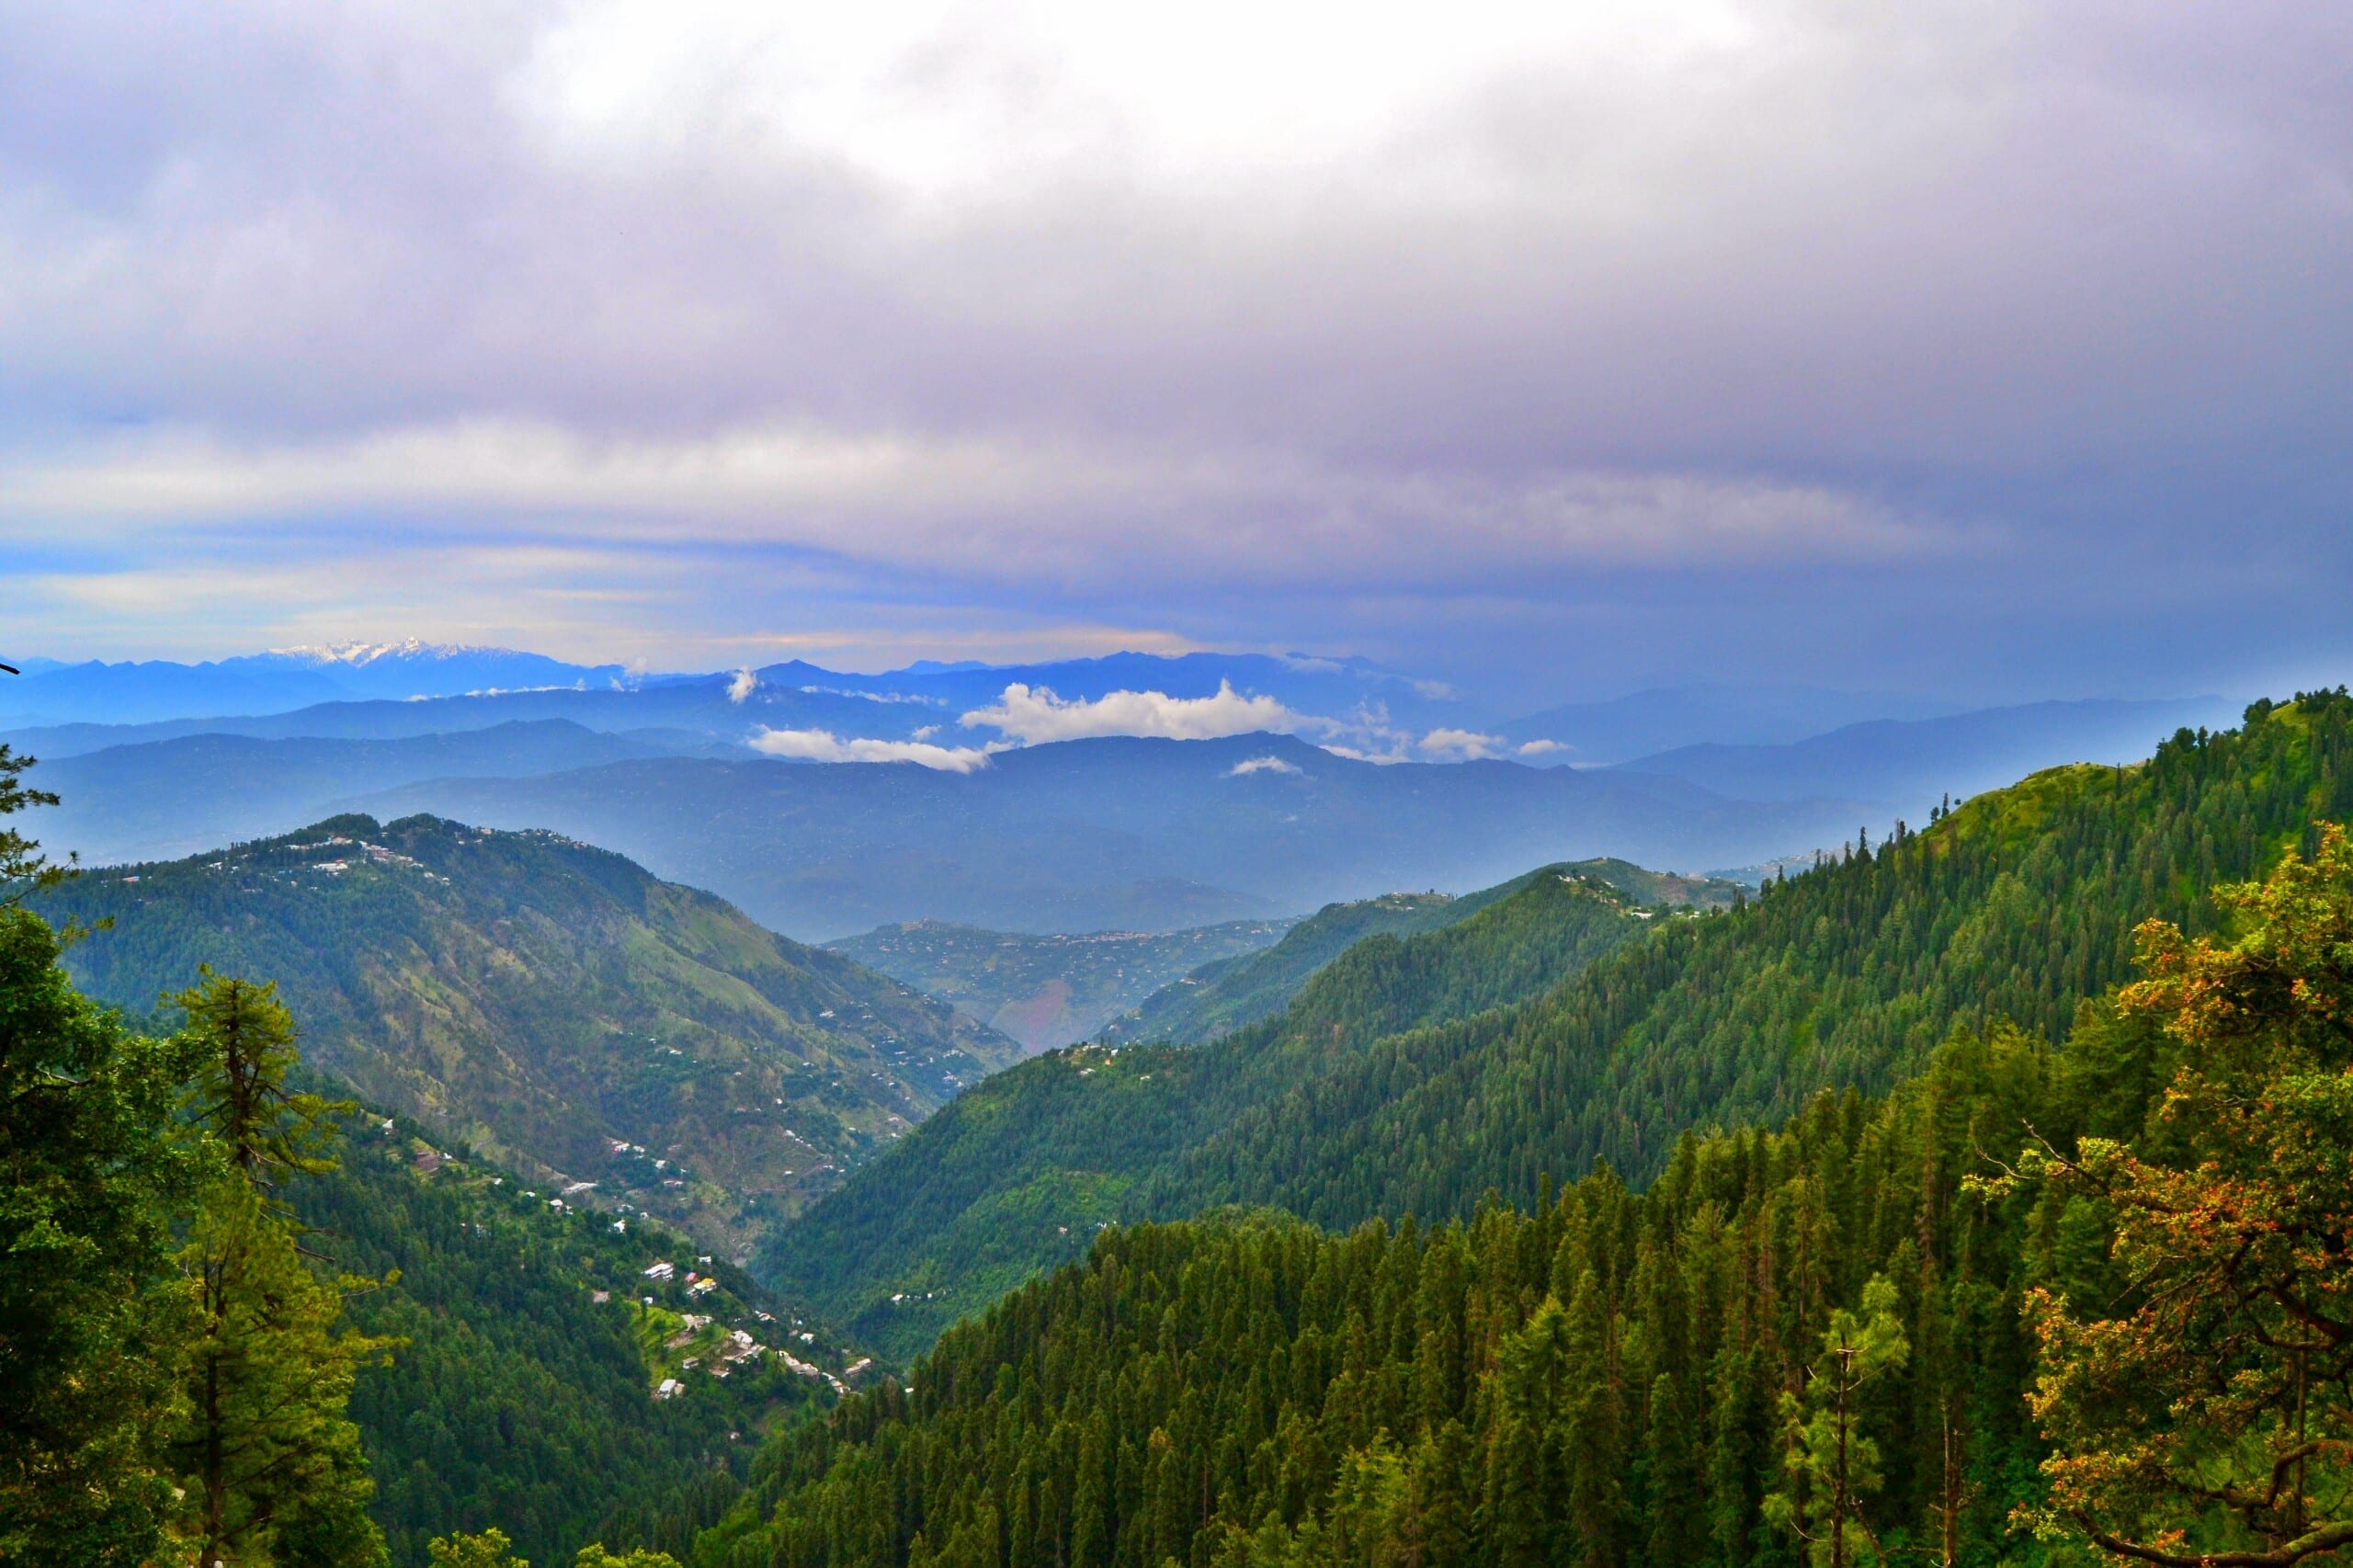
1413, 1076
91, 1312
2202, 1400
1602, 1380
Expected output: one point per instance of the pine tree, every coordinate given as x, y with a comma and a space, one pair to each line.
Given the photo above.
597, 1556
24, 869
90, 1315
273, 1468
1831, 1464
1672, 1504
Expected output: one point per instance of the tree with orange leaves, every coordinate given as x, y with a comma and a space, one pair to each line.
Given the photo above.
2205, 1417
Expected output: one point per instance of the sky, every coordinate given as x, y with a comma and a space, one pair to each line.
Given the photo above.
1994, 350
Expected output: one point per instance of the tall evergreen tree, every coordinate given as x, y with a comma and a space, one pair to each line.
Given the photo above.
273, 1469
90, 1315
1831, 1463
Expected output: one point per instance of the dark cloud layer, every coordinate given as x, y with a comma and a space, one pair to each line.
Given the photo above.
1998, 349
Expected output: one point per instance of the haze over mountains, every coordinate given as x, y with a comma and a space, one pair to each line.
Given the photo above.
1132, 791
1898, 766
1123, 833
1048, 990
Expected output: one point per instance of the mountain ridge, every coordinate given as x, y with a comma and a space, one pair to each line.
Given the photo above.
1019, 1171
552, 1003
2015, 907
1077, 835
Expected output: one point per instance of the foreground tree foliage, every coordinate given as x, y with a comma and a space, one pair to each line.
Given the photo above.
1832, 1465
172, 1383
491, 1549
271, 1465
92, 1312
2203, 1408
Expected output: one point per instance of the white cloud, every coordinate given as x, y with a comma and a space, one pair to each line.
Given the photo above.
880, 697
1383, 757
823, 745
1111, 303
943, 107
1459, 745
743, 686
1036, 715
1261, 764
1540, 748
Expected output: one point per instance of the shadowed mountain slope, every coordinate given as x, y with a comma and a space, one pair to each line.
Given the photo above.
545, 1001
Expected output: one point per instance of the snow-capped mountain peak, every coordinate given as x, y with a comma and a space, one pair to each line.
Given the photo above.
357, 654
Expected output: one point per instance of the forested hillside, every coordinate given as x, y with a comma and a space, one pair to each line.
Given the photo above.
523, 1392
1019, 1172
1048, 989
547, 1002
2035, 1305
1218, 998
1593, 1379
2017, 906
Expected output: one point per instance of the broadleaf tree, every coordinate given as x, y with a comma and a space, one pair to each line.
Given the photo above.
2205, 1415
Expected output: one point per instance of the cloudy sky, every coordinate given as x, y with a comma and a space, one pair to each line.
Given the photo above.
1993, 349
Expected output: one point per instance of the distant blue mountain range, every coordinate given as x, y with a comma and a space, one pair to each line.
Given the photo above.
347, 692
49, 692
1903, 768
1036, 815
1589, 734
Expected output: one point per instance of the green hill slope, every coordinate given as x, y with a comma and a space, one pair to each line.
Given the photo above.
1048, 989
1593, 1380
520, 1399
546, 1001
2017, 906
1218, 998
1019, 1172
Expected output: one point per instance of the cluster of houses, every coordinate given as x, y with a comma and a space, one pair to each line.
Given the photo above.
738, 1347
